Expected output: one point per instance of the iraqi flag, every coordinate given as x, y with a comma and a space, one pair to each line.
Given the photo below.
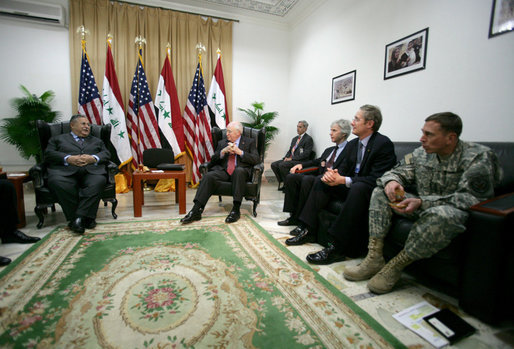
167, 109
216, 99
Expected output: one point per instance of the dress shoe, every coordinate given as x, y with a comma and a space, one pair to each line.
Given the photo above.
304, 237
19, 237
4, 261
233, 217
192, 216
327, 255
89, 223
288, 221
296, 231
77, 226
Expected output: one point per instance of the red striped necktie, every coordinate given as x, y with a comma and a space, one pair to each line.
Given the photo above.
231, 164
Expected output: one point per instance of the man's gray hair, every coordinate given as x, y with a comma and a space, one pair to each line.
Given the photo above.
305, 123
373, 113
76, 116
237, 125
344, 125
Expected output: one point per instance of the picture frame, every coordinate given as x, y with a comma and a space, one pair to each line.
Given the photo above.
343, 87
502, 17
406, 55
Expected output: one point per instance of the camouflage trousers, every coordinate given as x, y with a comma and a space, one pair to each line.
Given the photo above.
433, 228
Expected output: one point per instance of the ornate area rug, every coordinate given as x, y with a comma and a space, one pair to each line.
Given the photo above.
157, 284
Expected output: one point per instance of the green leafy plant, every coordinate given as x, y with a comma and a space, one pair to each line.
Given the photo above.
21, 131
260, 119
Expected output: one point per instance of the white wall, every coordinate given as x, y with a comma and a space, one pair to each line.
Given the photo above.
466, 72
37, 57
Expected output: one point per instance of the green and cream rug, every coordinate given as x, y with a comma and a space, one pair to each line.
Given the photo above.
157, 284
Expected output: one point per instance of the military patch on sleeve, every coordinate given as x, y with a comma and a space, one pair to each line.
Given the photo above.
408, 159
480, 184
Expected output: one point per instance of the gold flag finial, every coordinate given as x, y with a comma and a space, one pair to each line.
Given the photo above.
82, 31
200, 48
109, 38
140, 41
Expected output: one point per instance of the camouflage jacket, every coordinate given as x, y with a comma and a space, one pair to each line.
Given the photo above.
465, 178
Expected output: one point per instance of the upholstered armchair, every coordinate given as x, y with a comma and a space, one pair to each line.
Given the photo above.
39, 174
253, 186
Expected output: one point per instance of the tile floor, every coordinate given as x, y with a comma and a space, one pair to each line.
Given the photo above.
161, 205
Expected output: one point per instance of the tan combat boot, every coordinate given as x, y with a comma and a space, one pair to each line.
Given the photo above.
371, 265
386, 278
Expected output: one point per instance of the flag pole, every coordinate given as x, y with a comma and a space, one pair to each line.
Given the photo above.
139, 42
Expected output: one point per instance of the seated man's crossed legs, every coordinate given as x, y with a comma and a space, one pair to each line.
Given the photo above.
297, 189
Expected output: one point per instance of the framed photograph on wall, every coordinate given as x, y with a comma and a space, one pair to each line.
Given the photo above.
406, 55
502, 17
343, 87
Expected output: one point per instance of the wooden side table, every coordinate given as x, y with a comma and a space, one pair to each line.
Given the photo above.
137, 190
17, 180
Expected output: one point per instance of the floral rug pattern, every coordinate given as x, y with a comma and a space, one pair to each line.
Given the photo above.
158, 284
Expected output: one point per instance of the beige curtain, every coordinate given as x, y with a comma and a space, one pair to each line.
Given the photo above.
159, 27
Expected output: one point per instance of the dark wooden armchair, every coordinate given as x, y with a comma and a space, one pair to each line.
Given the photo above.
253, 186
44, 198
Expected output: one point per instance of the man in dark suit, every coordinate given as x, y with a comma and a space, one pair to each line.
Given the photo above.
76, 175
232, 161
9, 218
300, 150
369, 156
298, 185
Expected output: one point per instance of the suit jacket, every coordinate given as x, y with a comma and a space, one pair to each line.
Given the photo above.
323, 159
378, 158
64, 144
250, 155
303, 150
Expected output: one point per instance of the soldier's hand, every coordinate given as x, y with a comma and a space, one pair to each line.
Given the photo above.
408, 205
391, 188
295, 168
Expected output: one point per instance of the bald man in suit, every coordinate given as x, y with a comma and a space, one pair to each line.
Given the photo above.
76, 175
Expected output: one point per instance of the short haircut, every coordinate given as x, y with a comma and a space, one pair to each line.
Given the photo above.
449, 121
373, 113
305, 123
237, 125
344, 125
76, 116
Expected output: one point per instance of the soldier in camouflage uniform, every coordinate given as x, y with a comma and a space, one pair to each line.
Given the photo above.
446, 176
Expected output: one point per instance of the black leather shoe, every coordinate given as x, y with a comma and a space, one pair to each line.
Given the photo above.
89, 223
296, 231
233, 217
18, 237
4, 261
304, 237
288, 221
77, 226
327, 255
192, 216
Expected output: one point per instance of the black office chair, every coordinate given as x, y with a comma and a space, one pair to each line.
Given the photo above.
39, 174
253, 186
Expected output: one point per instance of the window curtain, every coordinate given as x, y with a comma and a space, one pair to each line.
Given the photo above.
159, 27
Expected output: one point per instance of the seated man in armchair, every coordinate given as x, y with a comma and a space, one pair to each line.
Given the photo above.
449, 175
232, 161
76, 175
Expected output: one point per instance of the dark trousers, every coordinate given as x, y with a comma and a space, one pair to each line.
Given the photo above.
297, 189
8, 207
78, 194
281, 169
349, 231
212, 179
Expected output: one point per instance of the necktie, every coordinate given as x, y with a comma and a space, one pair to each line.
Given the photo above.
296, 145
81, 141
330, 162
359, 158
231, 164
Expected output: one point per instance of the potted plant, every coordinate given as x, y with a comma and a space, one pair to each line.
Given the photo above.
260, 119
21, 131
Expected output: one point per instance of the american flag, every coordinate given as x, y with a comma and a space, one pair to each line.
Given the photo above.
90, 103
197, 126
141, 120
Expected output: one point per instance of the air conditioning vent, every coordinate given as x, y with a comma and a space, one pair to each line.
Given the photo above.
33, 11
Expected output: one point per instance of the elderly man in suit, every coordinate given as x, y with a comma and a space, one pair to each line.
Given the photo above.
75, 173
369, 156
232, 161
300, 150
298, 185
